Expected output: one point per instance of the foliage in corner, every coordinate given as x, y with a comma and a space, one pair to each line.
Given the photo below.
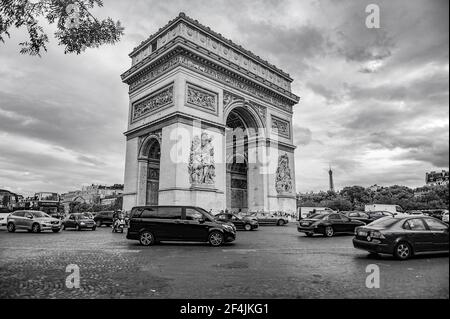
77, 28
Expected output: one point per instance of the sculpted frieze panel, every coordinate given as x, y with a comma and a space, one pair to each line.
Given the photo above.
152, 103
201, 98
281, 127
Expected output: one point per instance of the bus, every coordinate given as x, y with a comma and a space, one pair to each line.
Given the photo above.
8, 201
49, 203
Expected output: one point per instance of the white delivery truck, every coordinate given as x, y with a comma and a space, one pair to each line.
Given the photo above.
303, 212
394, 209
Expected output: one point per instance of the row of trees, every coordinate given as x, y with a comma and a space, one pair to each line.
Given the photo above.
79, 207
355, 197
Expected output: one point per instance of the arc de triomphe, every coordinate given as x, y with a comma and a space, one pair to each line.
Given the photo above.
209, 125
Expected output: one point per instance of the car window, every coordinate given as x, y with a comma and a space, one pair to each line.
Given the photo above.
192, 214
149, 213
232, 217
169, 212
334, 217
414, 224
19, 214
28, 215
136, 212
345, 218
434, 224
221, 217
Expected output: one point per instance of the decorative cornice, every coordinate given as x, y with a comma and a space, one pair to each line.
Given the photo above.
212, 70
194, 23
180, 45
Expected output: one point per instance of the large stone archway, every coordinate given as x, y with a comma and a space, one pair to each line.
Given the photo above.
243, 129
149, 170
221, 116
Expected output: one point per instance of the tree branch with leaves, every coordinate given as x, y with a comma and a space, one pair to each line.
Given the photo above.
77, 28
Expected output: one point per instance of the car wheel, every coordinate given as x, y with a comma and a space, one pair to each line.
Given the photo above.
248, 227
215, 238
329, 231
146, 238
402, 250
11, 228
36, 228
280, 222
98, 223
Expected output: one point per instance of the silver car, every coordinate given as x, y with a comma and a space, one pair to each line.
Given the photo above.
33, 221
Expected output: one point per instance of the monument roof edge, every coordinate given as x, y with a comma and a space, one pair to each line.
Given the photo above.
183, 17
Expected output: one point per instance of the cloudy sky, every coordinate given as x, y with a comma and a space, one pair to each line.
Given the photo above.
374, 102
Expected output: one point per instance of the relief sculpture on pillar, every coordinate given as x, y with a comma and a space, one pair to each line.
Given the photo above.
201, 161
283, 181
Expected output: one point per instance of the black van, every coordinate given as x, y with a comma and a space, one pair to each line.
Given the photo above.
152, 224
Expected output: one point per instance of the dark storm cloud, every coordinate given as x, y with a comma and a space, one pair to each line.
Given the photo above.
288, 48
331, 95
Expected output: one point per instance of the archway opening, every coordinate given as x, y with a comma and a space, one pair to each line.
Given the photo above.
240, 126
153, 172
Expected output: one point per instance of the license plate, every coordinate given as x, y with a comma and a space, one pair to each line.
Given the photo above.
362, 233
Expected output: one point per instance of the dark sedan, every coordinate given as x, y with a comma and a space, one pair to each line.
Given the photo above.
104, 218
240, 222
368, 217
79, 221
403, 237
327, 224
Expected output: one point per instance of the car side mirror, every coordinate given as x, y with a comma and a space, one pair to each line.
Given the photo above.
30, 217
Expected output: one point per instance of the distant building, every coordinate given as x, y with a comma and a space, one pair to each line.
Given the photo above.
93, 194
374, 188
422, 191
436, 178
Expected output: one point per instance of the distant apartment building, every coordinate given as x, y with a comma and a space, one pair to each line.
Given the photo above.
436, 178
93, 194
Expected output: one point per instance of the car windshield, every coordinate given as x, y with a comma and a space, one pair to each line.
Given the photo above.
318, 216
40, 214
87, 215
385, 222
205, 213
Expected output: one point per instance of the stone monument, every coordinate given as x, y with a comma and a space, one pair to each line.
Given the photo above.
209, 125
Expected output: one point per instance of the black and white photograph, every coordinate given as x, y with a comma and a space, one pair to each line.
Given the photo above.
225, 154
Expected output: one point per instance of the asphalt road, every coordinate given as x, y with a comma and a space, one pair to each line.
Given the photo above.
272, 262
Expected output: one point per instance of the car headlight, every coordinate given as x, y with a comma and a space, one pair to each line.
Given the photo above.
228, 227
82, 223
378, 235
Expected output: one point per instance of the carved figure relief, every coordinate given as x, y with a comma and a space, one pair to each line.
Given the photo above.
201, 98
154, 102
283, 181
201, 166
281, 126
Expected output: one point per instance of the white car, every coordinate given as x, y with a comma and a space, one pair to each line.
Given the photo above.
3, 217
445, 217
